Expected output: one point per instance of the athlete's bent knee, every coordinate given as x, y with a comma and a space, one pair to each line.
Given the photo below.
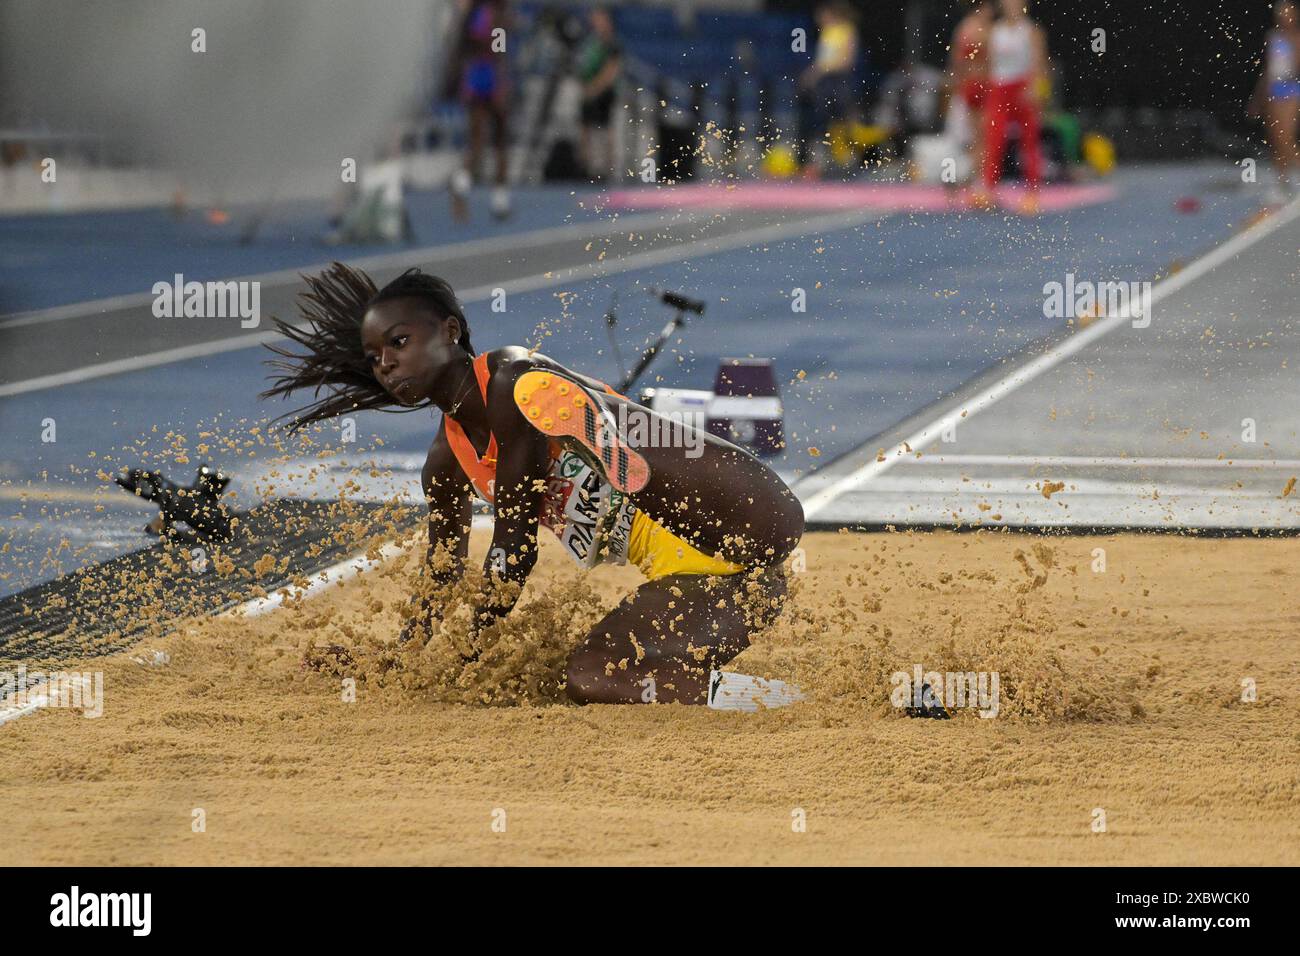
785, 529
581, 682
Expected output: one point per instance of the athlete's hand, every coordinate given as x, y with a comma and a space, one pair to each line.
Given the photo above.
332, 657
419, 627
469, 652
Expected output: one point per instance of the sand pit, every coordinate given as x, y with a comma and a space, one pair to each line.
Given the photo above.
1121, 691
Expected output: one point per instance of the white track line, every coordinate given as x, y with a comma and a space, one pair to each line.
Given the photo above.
1084, 461
165, 357
699, 248
408, 257
11, 710
320, 581
900, 483
349, 567
1048, 360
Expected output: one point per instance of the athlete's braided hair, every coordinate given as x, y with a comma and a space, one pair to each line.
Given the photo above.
334, 305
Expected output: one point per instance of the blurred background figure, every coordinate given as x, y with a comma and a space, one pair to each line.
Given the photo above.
701, 88
1277, 99
1017, 72
829, 88
968, 71
909, 103
599, 68
482, 67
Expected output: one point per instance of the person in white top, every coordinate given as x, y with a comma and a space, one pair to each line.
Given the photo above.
1017, 63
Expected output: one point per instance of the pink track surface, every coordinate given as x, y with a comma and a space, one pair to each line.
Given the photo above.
887, 197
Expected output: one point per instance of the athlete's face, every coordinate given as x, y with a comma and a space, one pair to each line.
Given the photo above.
408, 348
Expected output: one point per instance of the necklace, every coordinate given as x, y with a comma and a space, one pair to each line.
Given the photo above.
451, 413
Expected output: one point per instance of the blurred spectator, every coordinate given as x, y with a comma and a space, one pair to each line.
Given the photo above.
1017, 74
968, 73
1277, 99
599, 67
909, 103
561, 108
485, 93
829, 88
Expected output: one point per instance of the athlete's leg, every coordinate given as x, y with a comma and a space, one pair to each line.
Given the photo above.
721, 499
717, 496
585, 151
661, 641
609, 169
1290, 128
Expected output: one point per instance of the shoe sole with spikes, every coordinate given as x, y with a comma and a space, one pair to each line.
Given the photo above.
560, 407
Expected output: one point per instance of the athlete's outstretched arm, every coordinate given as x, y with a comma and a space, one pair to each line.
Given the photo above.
523, 461
447, 491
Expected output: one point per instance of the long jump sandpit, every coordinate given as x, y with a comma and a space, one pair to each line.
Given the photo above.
1126, 732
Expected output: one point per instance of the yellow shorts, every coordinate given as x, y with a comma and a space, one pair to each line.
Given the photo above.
658, 552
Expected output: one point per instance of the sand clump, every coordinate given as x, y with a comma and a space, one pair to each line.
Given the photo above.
1013, 632
1009, 626
521, 656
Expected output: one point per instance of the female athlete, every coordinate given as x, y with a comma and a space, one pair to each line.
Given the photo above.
707, 523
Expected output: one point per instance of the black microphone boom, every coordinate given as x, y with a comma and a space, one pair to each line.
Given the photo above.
683, 305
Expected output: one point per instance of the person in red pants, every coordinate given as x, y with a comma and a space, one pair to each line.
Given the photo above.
1017, 66
968, 74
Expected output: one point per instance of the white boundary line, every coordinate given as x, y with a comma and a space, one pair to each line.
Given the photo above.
1083, 461
672, 253
1048, 360
470, 247
10, 711
320, 581
165, 357
323, 579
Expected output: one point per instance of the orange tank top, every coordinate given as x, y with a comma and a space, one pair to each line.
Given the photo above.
481, 472
591, 518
